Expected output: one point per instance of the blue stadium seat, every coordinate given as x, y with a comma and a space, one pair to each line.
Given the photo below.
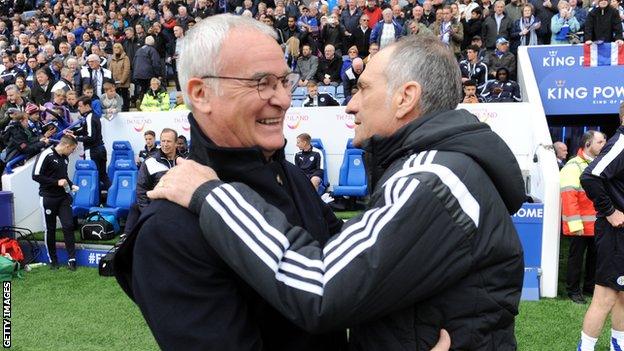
317, 145
340, 94
352, 178
86, 178
300, 93
172, 97
329, 89
122, 150
296, 102
122, 193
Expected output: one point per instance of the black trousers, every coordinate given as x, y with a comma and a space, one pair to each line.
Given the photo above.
133, 218
58, 206
125, 96
581, 247
140, 87
98, 155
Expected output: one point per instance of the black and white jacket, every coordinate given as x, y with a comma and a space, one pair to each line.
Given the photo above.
50, 167
436, 247
154, 167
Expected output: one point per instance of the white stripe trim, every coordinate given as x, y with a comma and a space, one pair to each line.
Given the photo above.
593, 55
292, 255
45, 229
302, 272
40, 161
321, 156
466, 201
251, 228
430, 156
370, 226
614, 54
264, 257
349, 256
606, 160
154, 166
298, 284
276, 234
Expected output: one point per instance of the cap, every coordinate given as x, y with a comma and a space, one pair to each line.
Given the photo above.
502, 40
31, 108
476, 37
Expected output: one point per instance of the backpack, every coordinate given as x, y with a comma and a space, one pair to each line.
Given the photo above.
11, 247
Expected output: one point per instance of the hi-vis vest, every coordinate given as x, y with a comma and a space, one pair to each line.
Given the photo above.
577, 211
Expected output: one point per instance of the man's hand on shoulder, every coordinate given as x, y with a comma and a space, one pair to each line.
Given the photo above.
181, 181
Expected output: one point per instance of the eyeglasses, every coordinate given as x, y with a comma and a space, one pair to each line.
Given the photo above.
267, 84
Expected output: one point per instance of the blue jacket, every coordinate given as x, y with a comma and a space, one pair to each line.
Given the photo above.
147, 63
378, 30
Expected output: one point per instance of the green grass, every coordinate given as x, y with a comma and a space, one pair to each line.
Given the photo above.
63, 310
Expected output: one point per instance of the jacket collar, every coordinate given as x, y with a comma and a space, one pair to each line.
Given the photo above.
204, 151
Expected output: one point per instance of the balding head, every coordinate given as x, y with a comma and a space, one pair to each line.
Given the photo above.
358, 65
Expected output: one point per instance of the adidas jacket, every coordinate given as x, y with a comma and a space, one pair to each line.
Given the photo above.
435, 249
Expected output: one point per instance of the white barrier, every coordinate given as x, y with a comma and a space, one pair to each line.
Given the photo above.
522, 125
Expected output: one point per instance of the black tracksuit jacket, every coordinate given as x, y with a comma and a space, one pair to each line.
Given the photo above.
188, 295
436, 247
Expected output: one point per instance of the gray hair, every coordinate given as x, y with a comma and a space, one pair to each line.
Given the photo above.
429, 62
202, 44
67, 72
11, 87
149, 40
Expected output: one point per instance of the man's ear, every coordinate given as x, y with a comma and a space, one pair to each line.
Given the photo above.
408, 100
199, 95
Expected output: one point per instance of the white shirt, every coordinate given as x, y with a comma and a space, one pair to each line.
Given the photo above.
387, 35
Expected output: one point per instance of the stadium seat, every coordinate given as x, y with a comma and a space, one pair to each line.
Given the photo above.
122, 192
122, 150
172, 97
296, 103
300, 93
329, 89
317, 145
352, 177
340, 94
86, 178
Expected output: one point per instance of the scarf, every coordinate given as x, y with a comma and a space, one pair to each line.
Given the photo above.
529, 24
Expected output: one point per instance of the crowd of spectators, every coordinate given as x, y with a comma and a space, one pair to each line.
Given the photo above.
123, 53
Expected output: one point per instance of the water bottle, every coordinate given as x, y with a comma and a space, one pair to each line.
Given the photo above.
67, 188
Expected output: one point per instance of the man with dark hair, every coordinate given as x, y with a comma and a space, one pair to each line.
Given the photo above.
150, 146
470, 93
90, 134
182, 146
502, 89
55, 188
418, 246
578, 216
603, 181
473, 69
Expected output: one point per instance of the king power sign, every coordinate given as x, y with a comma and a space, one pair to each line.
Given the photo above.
568, 87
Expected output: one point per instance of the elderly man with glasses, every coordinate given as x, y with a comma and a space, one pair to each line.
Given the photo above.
188, 295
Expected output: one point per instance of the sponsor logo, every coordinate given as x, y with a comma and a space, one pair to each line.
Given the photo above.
84, 182
349, 120
620, 280
125, 183
183, 122
139, 123
294, 120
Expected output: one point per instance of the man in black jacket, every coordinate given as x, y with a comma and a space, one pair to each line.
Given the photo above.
603, 181
190, 298
603, 24
50, 172
90, 134
394, 277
